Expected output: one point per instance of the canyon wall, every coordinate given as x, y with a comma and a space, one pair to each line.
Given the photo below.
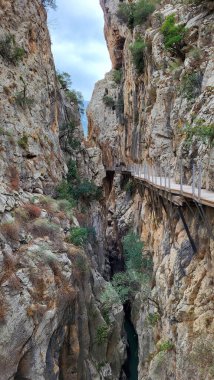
53, 323
143, 117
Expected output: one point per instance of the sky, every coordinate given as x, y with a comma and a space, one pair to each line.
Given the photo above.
78, 43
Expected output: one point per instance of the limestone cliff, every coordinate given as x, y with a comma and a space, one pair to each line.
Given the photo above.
147, 117
53, 323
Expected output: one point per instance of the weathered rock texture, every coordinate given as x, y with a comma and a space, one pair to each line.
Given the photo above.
53, 322
31, 157
178, 343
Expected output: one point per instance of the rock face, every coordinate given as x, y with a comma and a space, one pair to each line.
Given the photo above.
31, 157
175, 324
53, 322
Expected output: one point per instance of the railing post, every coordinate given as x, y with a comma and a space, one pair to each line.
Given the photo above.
160, 175
155, 175
181, 177
199, 181
193, 180
165, 179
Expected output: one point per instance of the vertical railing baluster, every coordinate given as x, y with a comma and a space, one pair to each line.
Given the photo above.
181, 177
193, 180
199, 181
160, 175
165, 179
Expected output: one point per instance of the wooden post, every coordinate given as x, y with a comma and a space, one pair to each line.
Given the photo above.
199, 181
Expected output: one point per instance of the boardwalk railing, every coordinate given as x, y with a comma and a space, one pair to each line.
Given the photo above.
162, 179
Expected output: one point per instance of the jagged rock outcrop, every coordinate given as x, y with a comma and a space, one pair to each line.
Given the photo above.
175, 324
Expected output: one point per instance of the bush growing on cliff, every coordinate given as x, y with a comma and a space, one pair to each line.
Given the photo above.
133, 14
87, 191
102, 334
23, 141
138, 269
142, 10
79, 235
204, 132
137, 49
117, 75
9, 50
125, 14
71, 94
191, 85
108, 101
173, 34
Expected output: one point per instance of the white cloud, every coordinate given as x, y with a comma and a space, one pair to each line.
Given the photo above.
78, 43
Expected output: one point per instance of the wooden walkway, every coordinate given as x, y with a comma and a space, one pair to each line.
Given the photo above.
165, 183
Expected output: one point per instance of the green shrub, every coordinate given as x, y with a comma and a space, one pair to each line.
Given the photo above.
72, 171
71, 94
201, 130
79, 236
117, 75
108, 101
9, 50
87, 191
67, 133
109, 296
133, 14
76, 98
125, 285
105, 314
102, 334
165, 346
153, 318
133, 249
191, 85
142, 10
23, 141
173, 34
125, 14
64, 191
137, 49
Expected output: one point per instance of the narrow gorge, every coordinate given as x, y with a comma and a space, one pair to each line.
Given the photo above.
106, 267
